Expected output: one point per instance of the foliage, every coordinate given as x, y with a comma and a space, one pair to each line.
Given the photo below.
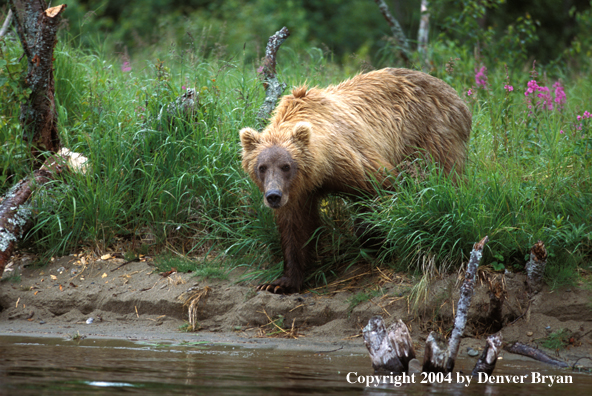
557, 340
172, 183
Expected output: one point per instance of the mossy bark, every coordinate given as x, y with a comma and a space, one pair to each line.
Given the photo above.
37, 28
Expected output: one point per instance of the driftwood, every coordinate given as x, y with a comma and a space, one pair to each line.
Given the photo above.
393, 351
436, 354
462, 311
486, 362
525, 350
398, 34
424, 29
382, 353
535, 268
37, 27
6, 24
273, 88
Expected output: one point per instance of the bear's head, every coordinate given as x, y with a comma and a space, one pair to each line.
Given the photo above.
275, 160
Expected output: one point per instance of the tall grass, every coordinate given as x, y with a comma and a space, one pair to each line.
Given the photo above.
173, 183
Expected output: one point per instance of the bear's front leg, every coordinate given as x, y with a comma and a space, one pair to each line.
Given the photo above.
297, 222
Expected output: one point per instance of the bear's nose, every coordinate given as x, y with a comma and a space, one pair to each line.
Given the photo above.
273, 198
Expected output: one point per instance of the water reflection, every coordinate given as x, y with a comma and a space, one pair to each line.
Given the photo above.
53, 366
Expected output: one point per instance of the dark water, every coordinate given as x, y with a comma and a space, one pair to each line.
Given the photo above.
44, 366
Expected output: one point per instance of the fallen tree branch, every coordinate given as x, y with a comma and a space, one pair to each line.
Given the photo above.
273, 88
15, 216
462, 311
525, 350
6, 24
398, 34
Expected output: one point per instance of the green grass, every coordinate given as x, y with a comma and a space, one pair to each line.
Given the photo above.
180, 180
557, 340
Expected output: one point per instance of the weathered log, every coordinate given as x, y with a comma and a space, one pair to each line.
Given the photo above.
398, 34
6, 24
488, 359
37, 29
424, 28
462, 311
525, 350
535, 268
436, 354
400, 339
273, 88
382, 353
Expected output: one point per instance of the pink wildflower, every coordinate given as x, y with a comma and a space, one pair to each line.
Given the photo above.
561, 131
481, 77
508, 88
126, 67
183, 87
587, 114
532, 86
579, 118
469, 92
546, 96
560, 97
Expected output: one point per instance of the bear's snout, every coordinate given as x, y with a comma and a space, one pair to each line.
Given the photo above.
273, 198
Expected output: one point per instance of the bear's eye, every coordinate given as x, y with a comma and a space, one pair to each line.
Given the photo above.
286, 168
262, 168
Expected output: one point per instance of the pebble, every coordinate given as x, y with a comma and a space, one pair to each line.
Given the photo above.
60, 270
472, 352
90, 320
42, 322
529, 333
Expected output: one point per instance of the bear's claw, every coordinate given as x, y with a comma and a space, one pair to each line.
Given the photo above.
276, 288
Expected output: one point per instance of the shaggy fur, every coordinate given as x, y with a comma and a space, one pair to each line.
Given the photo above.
330, 140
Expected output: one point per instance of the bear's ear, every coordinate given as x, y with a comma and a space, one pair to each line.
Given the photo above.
301, 134
249, 139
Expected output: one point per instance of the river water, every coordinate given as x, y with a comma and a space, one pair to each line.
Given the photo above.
50, 366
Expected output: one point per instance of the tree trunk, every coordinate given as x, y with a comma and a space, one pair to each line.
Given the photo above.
37, 29
424, 29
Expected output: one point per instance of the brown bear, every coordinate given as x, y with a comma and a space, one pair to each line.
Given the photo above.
338, 139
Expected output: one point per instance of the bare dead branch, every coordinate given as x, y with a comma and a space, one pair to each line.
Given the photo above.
273, 88
462, 311
6, 24
398, 34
